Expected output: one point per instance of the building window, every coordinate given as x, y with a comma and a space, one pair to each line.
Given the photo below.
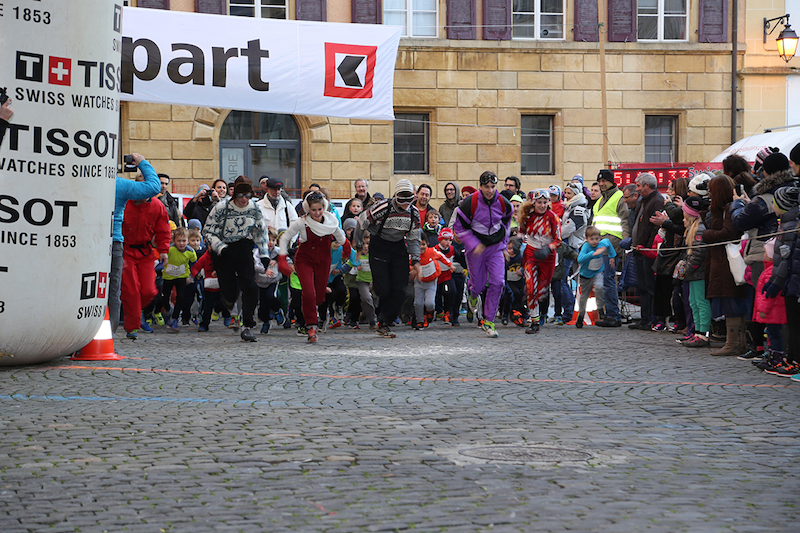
411, 143
417, 17
537, 144
264, 9
660, 139
538, 19
662, 20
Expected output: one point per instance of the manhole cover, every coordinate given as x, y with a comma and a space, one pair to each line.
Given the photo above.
525, 454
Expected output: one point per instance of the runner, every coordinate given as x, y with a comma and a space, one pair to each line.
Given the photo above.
482, 223
394, 228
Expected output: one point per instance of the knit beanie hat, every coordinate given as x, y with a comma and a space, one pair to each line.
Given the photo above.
699, 184
578, 177
194, 223
404, 188
605, 174
786, 198
794, 155
576, 188
349, 223
445, 233
775, 162
555, 190
693, 205
468, 189
762, 155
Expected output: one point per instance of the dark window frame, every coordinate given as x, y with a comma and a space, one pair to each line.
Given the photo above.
656, 150
406, 121
531, 129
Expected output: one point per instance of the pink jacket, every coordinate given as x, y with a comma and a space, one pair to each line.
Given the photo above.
775, 308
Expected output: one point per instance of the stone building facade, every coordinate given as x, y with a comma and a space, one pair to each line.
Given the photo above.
475, 94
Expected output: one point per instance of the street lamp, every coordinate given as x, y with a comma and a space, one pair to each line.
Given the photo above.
787, 38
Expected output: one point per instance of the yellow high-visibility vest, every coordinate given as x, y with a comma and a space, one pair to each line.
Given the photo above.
606, 219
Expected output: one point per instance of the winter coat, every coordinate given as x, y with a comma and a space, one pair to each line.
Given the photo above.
574, 221
718, 277
774, 308
146, 223
758, 217
448, 207
673, 238
133, 190
786, 271
695, 262
171, 204
488, 225
645, 230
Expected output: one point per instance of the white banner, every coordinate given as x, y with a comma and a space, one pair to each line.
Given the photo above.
276, 66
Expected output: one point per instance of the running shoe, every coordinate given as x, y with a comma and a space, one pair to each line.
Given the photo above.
214, 316
334, 323
659, 326
145, 327
750, 355
534, 328
280, 317
559, 321
697, 342
202, 329
132, 335
488, 327
384, 331
159, 318
265, 328
785, 370
312, 334
446, 319
301, 331
247, 335
173, 326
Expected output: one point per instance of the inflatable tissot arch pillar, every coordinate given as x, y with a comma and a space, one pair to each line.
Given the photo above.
58, 161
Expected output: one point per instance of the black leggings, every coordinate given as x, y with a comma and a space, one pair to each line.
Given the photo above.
388, 262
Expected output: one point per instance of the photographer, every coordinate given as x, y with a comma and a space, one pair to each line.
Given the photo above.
201, 204
126, 190
6, 112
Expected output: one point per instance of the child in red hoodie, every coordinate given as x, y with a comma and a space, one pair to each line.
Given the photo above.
425, 285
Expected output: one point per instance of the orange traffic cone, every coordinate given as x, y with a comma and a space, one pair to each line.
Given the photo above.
591, 316
102, 346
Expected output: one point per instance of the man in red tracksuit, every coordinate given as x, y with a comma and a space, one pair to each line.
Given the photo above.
146, 226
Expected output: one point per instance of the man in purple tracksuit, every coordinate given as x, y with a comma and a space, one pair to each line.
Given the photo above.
482, 223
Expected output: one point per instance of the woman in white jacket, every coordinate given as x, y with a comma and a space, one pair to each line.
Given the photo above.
316, 230
573, 234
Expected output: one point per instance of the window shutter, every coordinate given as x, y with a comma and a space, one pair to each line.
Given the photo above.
153, 4
461, 19
366, 11
497, 20
713, 24
212, 7
585, 21
312, 10
621, 21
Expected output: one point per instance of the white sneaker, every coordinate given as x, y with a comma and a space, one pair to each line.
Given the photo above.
488, 327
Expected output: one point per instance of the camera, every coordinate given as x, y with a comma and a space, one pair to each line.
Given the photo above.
130, 166
3, 95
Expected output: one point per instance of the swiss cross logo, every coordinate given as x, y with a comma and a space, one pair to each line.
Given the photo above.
59, 70
349, 70
94, 285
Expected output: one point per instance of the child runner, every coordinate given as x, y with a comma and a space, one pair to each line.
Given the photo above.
267, 279
425, 283
590, 260
176, 275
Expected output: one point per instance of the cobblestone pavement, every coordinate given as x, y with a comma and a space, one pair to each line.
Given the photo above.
200, 432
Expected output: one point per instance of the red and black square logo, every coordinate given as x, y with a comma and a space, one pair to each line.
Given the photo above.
349, 70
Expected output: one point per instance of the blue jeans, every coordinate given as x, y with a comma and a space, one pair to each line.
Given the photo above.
567, 296
610, 288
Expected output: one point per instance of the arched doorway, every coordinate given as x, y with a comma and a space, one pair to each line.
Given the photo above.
255, 144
